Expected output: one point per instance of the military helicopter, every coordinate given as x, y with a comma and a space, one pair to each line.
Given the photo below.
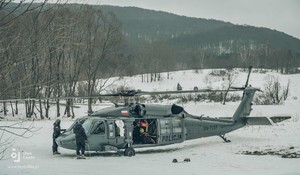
136, 125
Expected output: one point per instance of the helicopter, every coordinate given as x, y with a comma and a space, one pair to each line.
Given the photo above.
136, 125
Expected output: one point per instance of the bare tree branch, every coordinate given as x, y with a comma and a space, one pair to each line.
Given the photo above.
17, 129
22, 7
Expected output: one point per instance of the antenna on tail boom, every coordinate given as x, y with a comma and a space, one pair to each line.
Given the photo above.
250, 68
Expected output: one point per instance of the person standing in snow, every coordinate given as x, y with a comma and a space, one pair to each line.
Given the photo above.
56, 133
81, 138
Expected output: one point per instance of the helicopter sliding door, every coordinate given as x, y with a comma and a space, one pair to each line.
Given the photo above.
171, 131
97, 134
115, 132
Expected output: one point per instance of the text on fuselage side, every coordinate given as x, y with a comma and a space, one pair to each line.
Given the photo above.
212, 127
171, 137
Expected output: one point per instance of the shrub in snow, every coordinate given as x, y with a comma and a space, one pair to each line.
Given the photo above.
274, 92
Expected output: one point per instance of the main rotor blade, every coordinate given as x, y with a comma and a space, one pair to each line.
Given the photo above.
184, 91
129, 93
238, 88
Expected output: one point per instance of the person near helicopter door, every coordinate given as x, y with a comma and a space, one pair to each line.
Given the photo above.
136, 132
56, 133
81, 139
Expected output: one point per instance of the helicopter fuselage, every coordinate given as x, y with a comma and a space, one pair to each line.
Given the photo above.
114, 133
139, 125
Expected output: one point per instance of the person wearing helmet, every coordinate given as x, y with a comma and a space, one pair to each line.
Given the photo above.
56, 133
146, 138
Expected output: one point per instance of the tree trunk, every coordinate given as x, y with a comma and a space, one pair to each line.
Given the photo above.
67, 110
17, 109
47, 107
41, 109
57, 108
225, 96
12, 109
90, 110
72, 109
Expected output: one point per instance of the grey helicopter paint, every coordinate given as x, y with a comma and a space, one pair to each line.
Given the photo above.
114, 128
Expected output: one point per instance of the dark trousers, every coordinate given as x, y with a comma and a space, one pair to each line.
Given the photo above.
80, 144
54, 145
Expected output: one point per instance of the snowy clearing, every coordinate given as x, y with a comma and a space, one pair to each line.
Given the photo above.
208, 155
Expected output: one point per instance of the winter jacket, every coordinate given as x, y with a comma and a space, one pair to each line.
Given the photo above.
56, 130
79, 133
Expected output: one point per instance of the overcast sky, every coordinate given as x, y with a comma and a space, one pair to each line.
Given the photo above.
281, 15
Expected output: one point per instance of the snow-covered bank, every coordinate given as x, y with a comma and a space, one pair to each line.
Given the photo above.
208, 155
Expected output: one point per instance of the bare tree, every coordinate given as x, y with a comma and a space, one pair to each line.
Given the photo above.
47, 52
286, 90
274, 92
229, 78
22, 62
102, 39
11, 10
245, 55
17, 129
71, 51
201, 56
154, 58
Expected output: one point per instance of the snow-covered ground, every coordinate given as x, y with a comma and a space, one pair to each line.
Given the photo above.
208, 155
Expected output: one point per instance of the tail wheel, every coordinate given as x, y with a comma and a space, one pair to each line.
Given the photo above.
129, 152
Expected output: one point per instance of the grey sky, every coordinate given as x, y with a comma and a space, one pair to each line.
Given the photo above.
281, 15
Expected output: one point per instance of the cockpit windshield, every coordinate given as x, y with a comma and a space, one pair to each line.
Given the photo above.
87, 125
81, 120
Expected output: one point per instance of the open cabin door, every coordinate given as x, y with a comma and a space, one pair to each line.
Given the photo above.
115, 132
144, 131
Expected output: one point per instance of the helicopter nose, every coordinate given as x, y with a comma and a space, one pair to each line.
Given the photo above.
66, 141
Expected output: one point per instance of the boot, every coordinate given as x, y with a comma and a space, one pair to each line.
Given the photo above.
80, 157
56, 152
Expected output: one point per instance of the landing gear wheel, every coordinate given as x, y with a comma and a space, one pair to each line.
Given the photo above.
129, 152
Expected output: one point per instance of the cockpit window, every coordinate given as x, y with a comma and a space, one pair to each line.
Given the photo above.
98, 128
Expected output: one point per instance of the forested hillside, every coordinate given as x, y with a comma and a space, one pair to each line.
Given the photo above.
150, 25
185, 42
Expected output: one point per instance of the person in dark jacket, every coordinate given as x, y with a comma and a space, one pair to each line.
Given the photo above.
56, 133
136, 132
81, 138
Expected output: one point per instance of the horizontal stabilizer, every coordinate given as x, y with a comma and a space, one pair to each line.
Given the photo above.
277, 119
258, 121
